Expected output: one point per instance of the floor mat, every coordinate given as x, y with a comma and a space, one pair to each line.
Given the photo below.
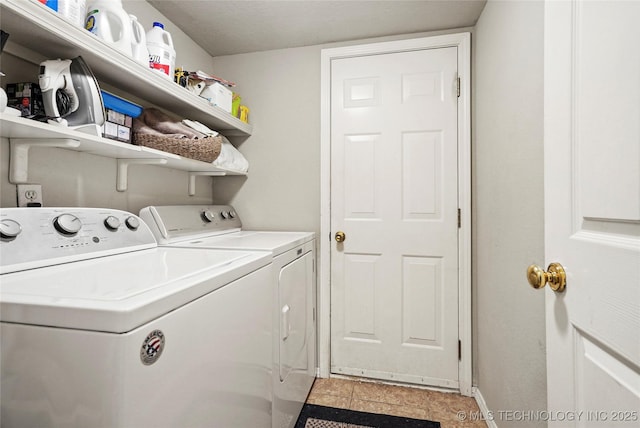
313, 416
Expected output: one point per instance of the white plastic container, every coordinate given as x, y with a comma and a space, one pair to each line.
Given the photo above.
139, 49
162, 55
74, 11
109, 21
218, 95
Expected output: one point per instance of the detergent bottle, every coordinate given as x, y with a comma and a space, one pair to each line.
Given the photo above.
109, 21
139, 49
162, 55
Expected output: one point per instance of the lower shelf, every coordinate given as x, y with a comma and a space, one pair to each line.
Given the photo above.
25, 134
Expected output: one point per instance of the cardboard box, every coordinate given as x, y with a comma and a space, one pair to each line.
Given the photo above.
218, 95
26, 97
117, 126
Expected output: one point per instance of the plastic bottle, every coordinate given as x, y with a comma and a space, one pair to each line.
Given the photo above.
139, 49
162, 55
73, 10
109, 21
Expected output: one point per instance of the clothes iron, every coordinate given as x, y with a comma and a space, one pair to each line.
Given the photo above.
71, 95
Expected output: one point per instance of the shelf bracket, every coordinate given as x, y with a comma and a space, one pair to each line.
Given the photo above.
19, 157
193, 175
123, 170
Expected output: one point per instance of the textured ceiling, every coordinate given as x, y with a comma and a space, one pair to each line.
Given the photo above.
240, 26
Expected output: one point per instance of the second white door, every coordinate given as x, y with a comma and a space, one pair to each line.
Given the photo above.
394, 194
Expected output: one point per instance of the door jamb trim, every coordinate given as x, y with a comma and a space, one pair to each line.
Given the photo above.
463, 42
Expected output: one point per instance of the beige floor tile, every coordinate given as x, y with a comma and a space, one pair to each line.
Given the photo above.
340, 387
329, 401
377, 392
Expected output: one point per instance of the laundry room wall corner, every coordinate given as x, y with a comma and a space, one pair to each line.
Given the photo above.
508, 201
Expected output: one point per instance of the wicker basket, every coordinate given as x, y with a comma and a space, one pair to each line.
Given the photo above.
202, 149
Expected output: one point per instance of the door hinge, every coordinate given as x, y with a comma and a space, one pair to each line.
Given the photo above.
459, 350
459, 218
458, 86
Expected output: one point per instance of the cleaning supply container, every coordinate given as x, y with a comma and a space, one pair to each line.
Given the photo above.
139, 49
73, 10
162, 55
108, 20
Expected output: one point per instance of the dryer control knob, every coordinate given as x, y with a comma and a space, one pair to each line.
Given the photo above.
112, 223
225, 214
132, 222
232, 214
67, 224
208, 216
9, 229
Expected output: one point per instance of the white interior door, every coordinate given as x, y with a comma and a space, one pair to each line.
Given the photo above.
394, 194
592, 210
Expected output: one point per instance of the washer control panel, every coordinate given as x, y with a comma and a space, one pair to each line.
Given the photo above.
38, 237
173, 223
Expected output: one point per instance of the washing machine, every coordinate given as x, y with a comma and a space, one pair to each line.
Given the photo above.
100, 327
294, 285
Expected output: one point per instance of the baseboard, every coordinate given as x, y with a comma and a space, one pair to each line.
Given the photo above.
486, 413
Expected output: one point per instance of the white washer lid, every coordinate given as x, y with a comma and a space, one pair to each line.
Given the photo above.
276, 242
121, 292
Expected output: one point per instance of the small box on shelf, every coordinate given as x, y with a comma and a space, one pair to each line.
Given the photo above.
117, 126
120, 114
218, 95
26, 97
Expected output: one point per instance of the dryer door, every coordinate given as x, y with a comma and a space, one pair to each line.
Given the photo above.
294, 295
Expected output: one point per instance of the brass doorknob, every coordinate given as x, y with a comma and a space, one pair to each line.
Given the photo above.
340, 236
555, 276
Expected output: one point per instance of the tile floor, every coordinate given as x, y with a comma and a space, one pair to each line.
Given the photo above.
447, 408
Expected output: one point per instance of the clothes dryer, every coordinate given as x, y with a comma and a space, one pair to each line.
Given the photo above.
100, 327
294, 285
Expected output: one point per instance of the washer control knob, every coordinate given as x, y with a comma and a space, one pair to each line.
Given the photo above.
112, 223
132, 222
207, 216
67, 224
225, 214
9, 229
232, 214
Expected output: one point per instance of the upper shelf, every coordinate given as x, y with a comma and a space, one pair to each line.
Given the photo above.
36, 27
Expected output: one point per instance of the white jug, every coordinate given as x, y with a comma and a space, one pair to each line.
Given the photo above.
162, 55
139, 49
109, 21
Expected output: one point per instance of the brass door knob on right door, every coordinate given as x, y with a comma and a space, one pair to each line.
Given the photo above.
340, 236
555, 276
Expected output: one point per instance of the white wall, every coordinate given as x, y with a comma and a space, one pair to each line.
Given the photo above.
508, 206
282, 90
76, 179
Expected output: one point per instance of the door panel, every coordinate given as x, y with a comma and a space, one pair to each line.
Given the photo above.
422, 285
422, 175
592, 209
394, 297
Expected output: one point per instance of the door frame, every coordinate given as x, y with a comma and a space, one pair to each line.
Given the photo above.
462, 41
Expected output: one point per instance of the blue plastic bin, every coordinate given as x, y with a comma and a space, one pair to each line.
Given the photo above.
120, 105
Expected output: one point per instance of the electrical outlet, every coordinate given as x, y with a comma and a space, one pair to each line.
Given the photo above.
29, 195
